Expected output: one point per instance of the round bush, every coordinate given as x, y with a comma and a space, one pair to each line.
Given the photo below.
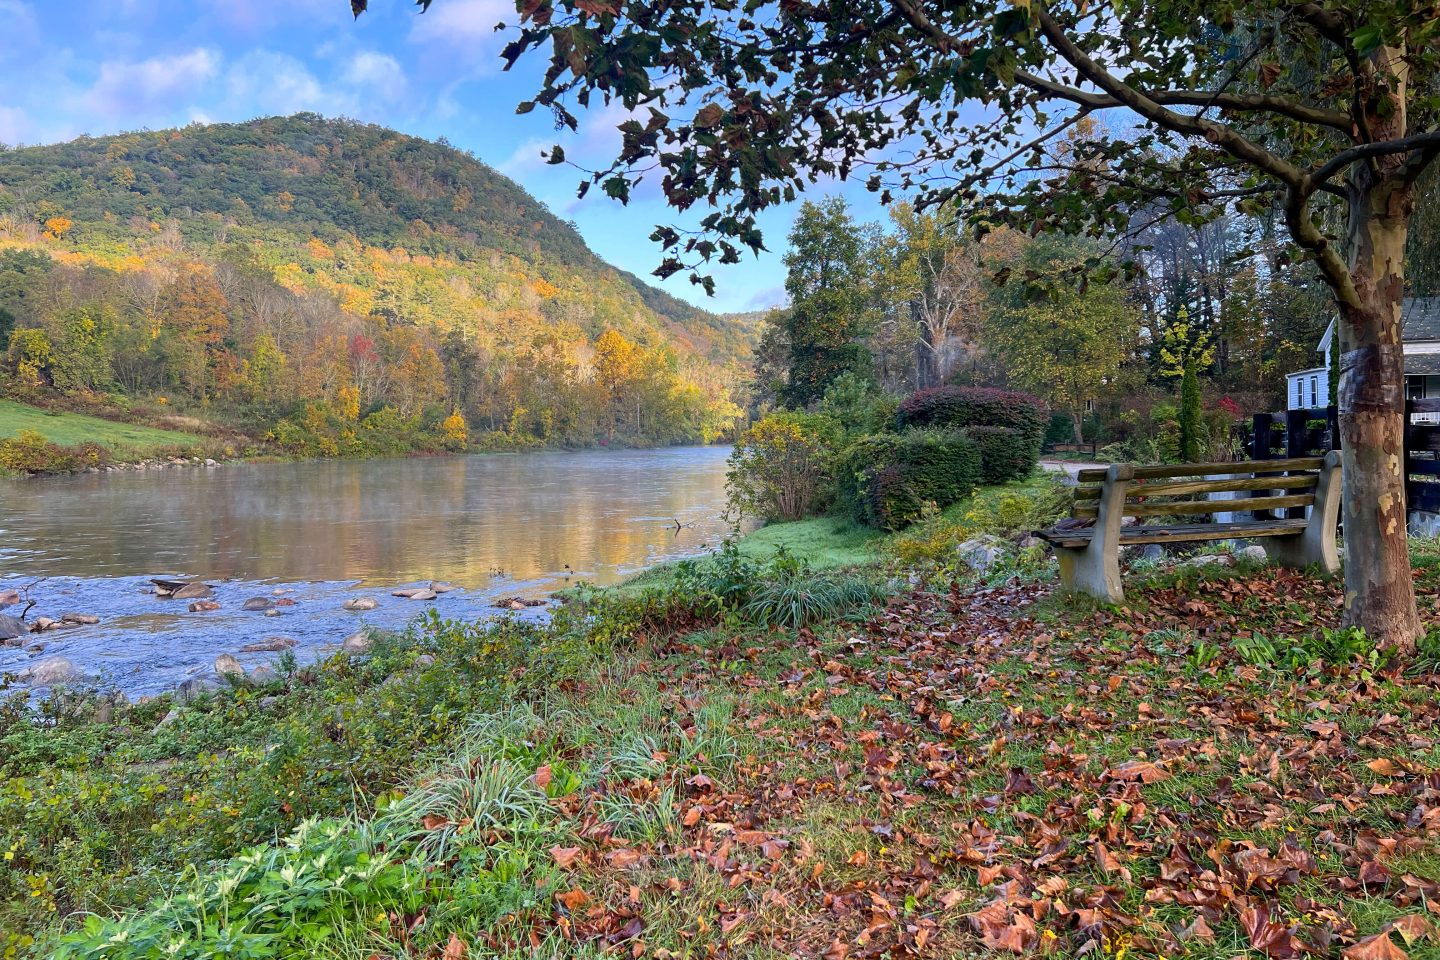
960, 407
1005, 453
888, 480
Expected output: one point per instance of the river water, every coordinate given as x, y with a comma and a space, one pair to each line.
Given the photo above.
319, 533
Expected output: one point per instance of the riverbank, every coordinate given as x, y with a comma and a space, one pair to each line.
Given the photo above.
55, 437
931, 762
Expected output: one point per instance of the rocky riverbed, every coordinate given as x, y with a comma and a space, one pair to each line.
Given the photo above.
148, 635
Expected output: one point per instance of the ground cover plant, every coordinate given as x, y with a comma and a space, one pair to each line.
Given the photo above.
1218, 769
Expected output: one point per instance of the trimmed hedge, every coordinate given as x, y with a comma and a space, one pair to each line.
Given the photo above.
887, 480
1005, 454
960, 407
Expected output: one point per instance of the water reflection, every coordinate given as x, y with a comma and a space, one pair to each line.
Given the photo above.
492, 525
456, 519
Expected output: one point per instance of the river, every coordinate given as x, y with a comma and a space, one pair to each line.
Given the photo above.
319, 533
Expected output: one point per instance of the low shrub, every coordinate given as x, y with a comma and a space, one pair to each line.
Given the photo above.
29, 452
891, 480
1005, 453
961, 407
780, 467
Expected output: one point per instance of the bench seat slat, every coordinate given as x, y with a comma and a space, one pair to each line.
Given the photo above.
1179, 508
1159, 471
1187, 487
1179, 533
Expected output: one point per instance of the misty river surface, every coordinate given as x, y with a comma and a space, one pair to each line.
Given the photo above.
318, 533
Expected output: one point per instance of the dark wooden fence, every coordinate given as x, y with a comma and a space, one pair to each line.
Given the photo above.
1422, 455
1293, 433
1302, 433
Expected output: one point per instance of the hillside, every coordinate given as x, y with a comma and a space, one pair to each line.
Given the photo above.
294, 268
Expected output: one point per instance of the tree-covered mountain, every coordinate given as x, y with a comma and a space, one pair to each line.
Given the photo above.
310, 275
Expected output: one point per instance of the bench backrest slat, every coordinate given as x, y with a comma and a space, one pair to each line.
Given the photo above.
1232, 468
1176, 508
1189, 487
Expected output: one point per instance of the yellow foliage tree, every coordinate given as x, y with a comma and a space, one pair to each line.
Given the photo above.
456, 433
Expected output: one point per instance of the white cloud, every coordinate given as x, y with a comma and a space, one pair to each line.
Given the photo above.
525, 159
468, 24
14, 125
136, 88
264, 83
18, 21
376, 74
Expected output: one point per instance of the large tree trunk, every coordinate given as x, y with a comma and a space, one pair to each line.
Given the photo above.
927, 372
1379, 592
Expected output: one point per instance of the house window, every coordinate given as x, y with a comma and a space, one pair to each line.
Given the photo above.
1314, 392
1414, 388
1299, 387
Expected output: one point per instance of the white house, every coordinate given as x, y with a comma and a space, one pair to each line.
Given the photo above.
1420, 330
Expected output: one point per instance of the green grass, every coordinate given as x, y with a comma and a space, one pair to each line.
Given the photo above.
68, 429
825, 542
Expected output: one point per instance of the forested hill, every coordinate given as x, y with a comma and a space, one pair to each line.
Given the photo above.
347, 231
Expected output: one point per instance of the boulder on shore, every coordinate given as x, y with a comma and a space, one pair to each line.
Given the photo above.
360, 603
982, 552
51, 671
1253, 554
359, 642
196, 687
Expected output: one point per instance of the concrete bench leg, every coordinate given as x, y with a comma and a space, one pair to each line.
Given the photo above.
1315, 545
1095, 568
1092, 571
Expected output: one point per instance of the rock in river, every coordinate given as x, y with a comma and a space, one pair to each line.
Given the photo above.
199, 606
360, 603
225, 664
8, 598
414, 593
11, 628
83, 619
268, 645
182, 589
257, 603
440, 586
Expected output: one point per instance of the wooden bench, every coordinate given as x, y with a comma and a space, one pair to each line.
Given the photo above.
1090, 555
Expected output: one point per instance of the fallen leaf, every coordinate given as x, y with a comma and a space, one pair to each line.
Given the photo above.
564, 856
1378, 947
573, 900
455, 949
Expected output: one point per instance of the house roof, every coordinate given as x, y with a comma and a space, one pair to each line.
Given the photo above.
1419, 320
1422, 364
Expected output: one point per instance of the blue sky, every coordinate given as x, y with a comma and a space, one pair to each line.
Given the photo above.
71, 67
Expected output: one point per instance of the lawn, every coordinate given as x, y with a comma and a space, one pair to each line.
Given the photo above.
965, 769
68, 429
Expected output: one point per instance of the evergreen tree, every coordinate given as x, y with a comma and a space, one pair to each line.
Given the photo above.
828, 316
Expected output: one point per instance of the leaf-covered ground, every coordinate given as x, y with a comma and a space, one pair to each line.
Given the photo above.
986, 772
969, 773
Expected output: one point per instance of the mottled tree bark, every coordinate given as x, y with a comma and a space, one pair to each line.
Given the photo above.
1379, 591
